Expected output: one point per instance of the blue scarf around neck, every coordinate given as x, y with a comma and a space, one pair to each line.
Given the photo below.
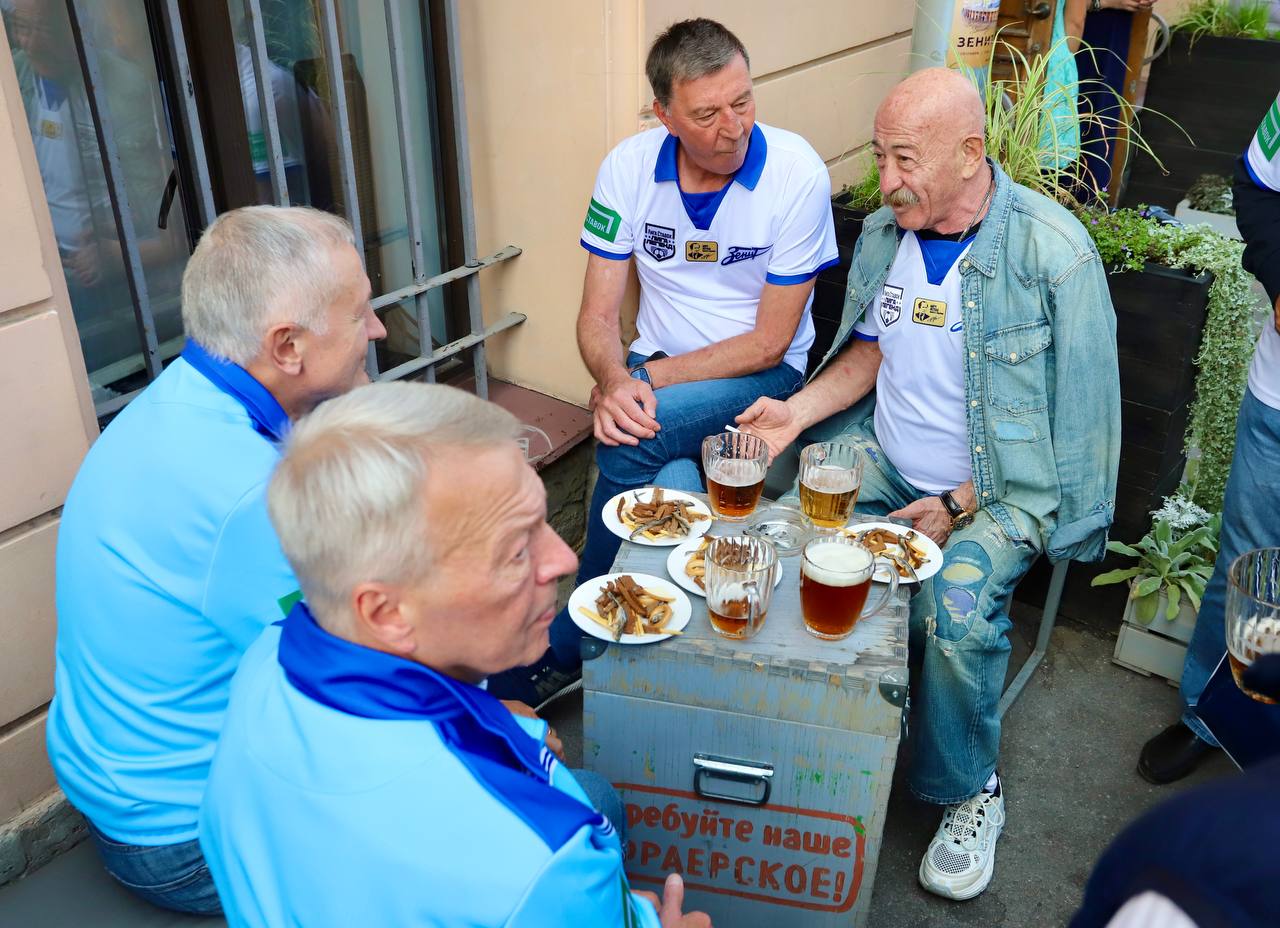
477, 729
269, 417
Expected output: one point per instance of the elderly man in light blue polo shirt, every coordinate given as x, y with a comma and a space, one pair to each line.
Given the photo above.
364, 777
167, 566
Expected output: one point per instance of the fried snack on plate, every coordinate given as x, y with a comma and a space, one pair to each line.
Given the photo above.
625, 607
696, 565
659, 517
900, 550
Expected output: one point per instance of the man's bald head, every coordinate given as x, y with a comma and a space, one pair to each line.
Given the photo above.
930, 149
938, 100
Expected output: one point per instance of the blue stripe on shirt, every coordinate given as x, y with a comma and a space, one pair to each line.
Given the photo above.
611, 255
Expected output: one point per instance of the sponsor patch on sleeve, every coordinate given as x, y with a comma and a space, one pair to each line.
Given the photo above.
602, 221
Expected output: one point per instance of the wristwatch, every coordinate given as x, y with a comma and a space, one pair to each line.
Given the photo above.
960, 517
640, 372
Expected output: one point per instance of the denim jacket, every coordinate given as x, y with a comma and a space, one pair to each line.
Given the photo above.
1042, 382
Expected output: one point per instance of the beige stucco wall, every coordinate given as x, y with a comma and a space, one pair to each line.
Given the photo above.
552, 86
46, 425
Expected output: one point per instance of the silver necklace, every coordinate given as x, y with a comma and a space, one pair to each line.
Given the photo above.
991, 189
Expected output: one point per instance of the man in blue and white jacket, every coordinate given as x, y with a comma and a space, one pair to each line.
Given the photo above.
364, 776
167, 565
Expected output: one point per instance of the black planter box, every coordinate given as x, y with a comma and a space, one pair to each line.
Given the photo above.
1217, 91
829, 290
1160, 316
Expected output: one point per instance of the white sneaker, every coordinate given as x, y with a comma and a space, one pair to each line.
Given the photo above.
961, 858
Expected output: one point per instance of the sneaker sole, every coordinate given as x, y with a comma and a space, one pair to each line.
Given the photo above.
573, 687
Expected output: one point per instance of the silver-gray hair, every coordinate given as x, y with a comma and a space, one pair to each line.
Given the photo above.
687, 51
259, 266
346, 497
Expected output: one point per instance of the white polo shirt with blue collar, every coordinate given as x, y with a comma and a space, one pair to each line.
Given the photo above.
703, 259
168, 568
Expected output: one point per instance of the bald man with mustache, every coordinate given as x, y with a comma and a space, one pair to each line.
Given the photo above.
975, 370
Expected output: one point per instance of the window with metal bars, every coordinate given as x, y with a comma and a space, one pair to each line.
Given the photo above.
151, 118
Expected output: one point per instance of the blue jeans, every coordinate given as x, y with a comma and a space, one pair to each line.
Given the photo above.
171, 876
688, 413
958, 637
604, 798
1250, 519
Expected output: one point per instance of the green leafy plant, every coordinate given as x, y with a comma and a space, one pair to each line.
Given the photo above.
1211, 193
1126, 240
865, 194
1175, 558
1222, 18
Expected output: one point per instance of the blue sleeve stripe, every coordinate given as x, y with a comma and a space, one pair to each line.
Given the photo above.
863, 337
1253, 175
611, 255
786, 280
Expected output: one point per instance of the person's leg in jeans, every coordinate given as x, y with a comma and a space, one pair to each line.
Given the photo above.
604, 799
959, 630
1250, 519
171, 876
687, 413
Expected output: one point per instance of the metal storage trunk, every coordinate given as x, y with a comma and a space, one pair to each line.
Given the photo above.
758, 769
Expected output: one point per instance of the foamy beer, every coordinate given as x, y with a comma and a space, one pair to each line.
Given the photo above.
739, 584
1253, 612
735, 464
830, 477
835, 578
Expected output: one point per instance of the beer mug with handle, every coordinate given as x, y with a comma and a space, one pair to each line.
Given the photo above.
739, 581
1253, 612
735, 465
835, 578
830, 477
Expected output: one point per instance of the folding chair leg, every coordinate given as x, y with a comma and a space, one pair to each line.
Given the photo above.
1048, 619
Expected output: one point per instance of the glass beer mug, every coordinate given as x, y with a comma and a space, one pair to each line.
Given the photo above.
739, 578
1253, 612
835, 578
735, 465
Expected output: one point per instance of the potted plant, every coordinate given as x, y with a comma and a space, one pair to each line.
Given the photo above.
1215, 81
1174, 562
1209, 201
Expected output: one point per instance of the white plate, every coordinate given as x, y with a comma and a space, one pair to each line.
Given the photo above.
675, 566
615, 525
586, 594
924, 572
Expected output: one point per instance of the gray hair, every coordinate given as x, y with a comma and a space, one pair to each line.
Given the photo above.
256, 267
346, 497
687, 51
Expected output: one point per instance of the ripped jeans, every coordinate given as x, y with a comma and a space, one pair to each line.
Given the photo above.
958, 641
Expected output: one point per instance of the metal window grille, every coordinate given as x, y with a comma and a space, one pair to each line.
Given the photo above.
123, 211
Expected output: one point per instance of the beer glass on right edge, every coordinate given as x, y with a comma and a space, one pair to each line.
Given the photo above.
830, 477
1253, 612
739, 577
835, 578
735, 465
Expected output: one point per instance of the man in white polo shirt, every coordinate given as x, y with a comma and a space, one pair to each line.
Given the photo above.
1251, 506
728, 222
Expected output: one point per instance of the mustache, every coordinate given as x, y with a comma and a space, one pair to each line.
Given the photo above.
902, 198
